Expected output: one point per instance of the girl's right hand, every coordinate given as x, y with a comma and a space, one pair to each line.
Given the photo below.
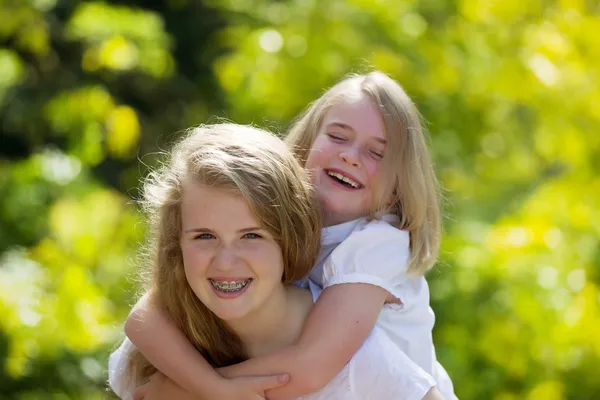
159, 387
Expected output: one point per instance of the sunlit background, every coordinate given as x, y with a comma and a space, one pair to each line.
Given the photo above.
510, 92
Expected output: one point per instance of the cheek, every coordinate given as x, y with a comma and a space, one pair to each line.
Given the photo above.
195, 260
312, 160
270, 260
278, 268
372, 168
320, 152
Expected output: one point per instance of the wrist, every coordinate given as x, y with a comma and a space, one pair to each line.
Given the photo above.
226, 373
212, 387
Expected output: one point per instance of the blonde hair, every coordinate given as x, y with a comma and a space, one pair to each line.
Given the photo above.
258, 166
406, 165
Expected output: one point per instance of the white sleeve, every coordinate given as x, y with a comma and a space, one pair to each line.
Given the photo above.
117, 370
378, 255
380, 370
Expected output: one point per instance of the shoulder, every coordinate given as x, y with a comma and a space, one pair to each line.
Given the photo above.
378, 233
301, 301
375, 242
377, 254
300, 296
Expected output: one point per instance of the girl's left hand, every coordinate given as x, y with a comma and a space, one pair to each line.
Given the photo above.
159, 387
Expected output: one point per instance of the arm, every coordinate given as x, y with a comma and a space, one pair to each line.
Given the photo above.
341, 320
363, 272
165, 347
169, 351
159, 387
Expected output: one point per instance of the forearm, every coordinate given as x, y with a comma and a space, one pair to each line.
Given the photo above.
188, 369
281, 362
334, 330
288, 361
168, 350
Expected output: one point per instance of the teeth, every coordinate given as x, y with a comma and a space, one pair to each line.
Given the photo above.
229, 286
343, 178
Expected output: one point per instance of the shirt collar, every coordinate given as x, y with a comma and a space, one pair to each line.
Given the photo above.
338, 233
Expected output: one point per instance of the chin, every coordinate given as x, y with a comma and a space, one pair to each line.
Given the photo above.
227, 312
231, 315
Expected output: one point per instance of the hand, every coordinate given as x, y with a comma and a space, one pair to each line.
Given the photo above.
250, 388
159, 387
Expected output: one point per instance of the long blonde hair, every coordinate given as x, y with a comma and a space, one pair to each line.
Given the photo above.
409, 186
250, 162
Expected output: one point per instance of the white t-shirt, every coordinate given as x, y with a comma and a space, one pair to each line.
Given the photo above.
377, 253
117, 371
378, 370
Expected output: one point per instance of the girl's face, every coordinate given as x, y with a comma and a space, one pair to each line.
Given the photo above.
231, 262
344, 159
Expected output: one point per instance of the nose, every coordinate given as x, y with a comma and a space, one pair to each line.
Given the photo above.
351, 156
226, 258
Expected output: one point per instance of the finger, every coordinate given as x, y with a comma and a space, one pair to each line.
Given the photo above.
140, 392
271, 382
143, 391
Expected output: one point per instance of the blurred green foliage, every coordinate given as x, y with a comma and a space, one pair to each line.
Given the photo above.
510, 92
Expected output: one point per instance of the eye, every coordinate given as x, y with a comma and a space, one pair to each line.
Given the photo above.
252, 235
204, 236
336, 137
377, 154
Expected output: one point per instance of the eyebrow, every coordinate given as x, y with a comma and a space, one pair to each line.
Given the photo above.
346, 126
207, 230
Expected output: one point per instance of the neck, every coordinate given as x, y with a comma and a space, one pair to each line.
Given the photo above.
275, 325
332, 220
329, 219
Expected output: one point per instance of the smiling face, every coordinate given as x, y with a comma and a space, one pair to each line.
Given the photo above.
344, 159
231, 262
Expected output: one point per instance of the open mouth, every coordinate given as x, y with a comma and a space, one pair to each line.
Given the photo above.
344, 180
230, 286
